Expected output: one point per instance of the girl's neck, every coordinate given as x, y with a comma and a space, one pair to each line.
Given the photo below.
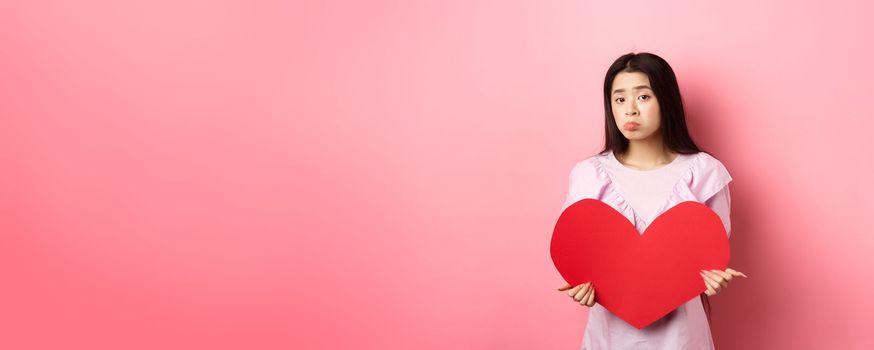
647, 154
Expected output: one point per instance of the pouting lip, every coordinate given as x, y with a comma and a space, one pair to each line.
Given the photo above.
631, 125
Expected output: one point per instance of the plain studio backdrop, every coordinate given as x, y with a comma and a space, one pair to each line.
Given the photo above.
387, 174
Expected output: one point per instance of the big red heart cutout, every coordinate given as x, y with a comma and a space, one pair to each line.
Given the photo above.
639, 278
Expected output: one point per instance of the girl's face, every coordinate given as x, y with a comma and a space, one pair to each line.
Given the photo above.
635, 108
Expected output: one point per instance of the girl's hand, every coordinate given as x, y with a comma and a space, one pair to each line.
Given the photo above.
583, 293
717, 280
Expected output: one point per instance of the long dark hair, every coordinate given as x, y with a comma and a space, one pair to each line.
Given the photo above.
673, 117
667, 92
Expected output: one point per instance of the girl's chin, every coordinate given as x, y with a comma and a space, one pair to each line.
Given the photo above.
635, 135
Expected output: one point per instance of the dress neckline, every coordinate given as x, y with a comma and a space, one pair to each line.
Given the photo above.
621, 198
675, 161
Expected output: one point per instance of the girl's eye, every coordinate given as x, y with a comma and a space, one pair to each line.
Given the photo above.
647, 96
618, 99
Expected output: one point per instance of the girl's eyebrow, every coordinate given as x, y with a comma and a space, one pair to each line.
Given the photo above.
639, 87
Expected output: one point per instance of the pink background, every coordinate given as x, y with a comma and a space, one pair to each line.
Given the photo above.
386, 174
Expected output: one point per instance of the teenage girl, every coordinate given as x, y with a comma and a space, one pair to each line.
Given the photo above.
649, 164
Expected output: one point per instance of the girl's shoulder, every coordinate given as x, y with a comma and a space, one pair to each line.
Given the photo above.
707, 175
587, 179
708, 163
590, 167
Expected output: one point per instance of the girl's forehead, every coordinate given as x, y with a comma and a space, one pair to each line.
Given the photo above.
630, 78
626, 81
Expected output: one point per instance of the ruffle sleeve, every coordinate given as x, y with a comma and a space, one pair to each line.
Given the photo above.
707, 177
583, 182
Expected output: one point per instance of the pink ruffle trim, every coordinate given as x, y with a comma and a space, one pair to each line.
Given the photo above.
705, 177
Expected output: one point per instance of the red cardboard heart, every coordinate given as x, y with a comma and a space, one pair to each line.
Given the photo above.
639, 278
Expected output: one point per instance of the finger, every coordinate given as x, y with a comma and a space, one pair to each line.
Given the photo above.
566, 286
716, 278
581, 296
585, 299
711, 283
574, 290
736, 273
582, 292
709, 292
591, 300
725, 275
